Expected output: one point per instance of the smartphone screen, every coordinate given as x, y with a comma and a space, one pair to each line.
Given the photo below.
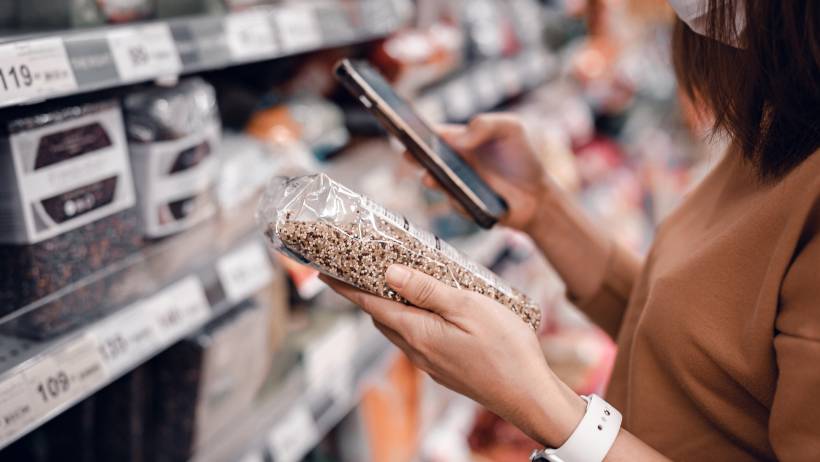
451, 171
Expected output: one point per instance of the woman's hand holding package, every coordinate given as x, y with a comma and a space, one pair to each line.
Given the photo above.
474, 346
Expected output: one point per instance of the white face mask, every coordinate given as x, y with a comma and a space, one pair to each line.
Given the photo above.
694, 13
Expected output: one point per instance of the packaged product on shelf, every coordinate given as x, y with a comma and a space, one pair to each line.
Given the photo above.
349, 237
315, 121
122, 418
82, 13
245, 169
206, 382
173, 8
174, 134
72, 432
67, 207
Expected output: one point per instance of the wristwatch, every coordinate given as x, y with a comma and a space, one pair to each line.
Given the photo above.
592, 438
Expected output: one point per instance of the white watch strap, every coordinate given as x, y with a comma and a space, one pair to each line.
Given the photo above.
592, 438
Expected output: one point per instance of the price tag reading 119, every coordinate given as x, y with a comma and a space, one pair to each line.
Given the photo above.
34, 69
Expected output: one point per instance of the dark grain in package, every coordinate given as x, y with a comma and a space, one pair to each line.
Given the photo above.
66, 201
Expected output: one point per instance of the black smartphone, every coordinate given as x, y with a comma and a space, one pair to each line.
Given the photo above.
397, 116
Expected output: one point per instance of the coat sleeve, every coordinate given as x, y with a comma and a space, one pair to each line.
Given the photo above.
607, 305
794, 421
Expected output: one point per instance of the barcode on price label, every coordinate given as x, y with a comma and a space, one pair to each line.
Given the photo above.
245, 271
298, 28
34, 69
250, 35
17, 411
293, 436
144, 52
179, 309
126, 338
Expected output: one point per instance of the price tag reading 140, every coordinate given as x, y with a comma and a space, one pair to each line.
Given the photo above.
34, 69
179, 309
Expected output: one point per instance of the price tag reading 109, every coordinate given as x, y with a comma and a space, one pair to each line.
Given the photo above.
34, 69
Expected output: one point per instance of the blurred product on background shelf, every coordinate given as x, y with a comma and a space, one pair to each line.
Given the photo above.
312, 120
174, 8
386, 424
68, 200
123, 416
174, 136
80, 13
207, 381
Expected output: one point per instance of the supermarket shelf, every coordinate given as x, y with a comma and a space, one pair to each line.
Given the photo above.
41, 379
47, 65
315, 396
290, 421
486, 85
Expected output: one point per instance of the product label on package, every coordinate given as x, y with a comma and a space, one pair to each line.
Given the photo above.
144, 52
34, 69
432, 241
70, 173
174, 180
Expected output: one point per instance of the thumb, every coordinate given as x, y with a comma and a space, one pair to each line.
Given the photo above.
424, 291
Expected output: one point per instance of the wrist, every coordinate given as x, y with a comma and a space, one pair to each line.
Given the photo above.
556, 413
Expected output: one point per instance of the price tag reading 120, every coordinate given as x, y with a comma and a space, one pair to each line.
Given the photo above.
34, 69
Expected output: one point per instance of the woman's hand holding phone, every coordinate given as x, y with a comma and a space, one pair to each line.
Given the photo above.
498, 148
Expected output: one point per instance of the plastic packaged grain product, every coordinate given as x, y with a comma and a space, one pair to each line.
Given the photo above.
349, 237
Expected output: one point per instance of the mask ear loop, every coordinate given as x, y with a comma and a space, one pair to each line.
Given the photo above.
694, 13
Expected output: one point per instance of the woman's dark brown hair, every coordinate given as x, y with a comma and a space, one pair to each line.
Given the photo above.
766, 92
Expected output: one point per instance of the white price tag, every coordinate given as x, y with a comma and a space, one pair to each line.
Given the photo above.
432, 109
487, 87
126, 338
255, 456
298, 28
293, 436
34, 69
144, 52
245, 271
179, 309
68, 373
510, 78
250, 35
331, 356
459, 100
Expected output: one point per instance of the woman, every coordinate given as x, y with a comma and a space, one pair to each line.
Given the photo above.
719, 328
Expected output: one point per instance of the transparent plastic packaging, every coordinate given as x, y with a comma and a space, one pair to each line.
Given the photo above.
349, 237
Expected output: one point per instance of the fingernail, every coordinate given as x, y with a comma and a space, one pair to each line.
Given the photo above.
397, 276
